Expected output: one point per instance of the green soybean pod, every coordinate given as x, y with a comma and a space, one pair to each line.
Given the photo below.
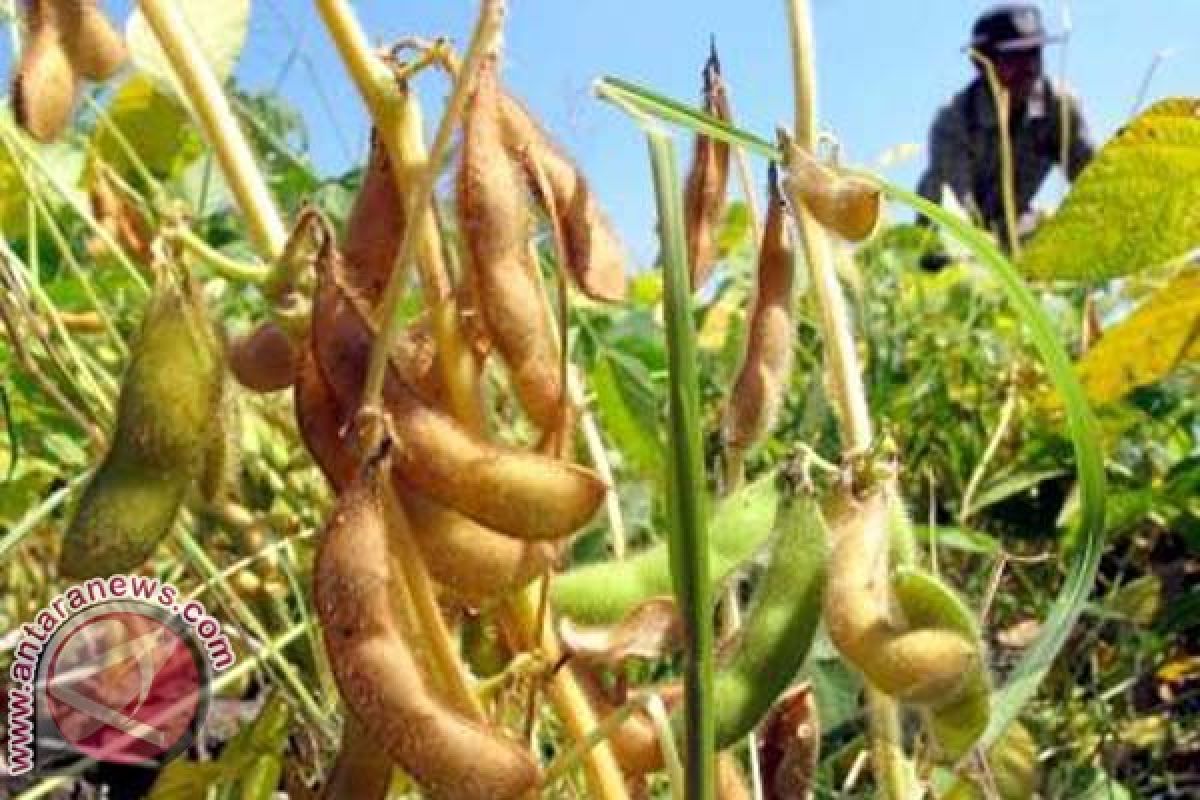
605, 593
1013, 761
124, 512
778, 632
958, 722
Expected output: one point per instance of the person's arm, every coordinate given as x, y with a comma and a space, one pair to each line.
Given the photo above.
1080, 148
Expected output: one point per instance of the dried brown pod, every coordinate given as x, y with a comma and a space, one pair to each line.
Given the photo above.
594, 255
362, 771
520, 494
320, 420
789, 746
44, 86
94, 46
476, 564
845, 204
378, 676
123, 222
767, 364
374, 227
264, 358
707, 180
496, 226
67, 40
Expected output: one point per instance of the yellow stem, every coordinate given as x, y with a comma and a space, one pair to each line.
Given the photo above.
220, 127
890, 763
1002, 99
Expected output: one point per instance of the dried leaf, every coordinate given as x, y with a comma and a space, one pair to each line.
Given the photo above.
789, 746
652, 630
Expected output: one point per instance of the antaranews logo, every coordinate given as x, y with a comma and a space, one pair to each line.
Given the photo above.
113, 669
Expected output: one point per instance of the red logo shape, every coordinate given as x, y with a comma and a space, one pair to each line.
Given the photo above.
124, 686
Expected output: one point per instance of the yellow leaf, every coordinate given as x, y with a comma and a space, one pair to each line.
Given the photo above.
1160, 336
1136, 205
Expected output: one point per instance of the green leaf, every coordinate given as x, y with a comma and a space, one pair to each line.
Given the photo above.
964, 540
1161, 335
152, 123
1136, 205
627, 407
219, 27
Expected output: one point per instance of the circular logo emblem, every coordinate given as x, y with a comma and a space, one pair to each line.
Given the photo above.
122, 682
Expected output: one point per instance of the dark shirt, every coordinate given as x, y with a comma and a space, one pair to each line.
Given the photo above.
964, 149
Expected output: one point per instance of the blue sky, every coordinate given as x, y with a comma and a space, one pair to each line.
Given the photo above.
884, 67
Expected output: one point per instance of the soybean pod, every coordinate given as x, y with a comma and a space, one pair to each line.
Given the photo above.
914, 664
377, 674
767, 364
605, 592
958, 719
778, 632
170, 396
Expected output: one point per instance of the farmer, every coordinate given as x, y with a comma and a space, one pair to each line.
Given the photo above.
965, 143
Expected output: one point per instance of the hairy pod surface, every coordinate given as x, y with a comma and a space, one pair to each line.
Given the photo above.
847, 205
594, 254
475, 563
173, 386
94, 46
707, 181
263, 359
958, 720
767, 364
912, 664
170, 395
778, 632
519, 494
44, 85
605, 592
321, 423
222, 456
362, 770
496, 226
375, 226
378, 676
122, 515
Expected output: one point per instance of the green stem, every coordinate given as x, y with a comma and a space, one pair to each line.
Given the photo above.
688, 539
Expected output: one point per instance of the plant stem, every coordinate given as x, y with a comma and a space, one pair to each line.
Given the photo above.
1003, 102
220, 127
688, 537
228, 268
890, 764
376, 90
520, 615
376, 86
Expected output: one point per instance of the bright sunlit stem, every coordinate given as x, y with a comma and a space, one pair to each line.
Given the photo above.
220, 127
849, 395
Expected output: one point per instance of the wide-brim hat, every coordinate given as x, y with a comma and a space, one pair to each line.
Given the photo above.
1009, 28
